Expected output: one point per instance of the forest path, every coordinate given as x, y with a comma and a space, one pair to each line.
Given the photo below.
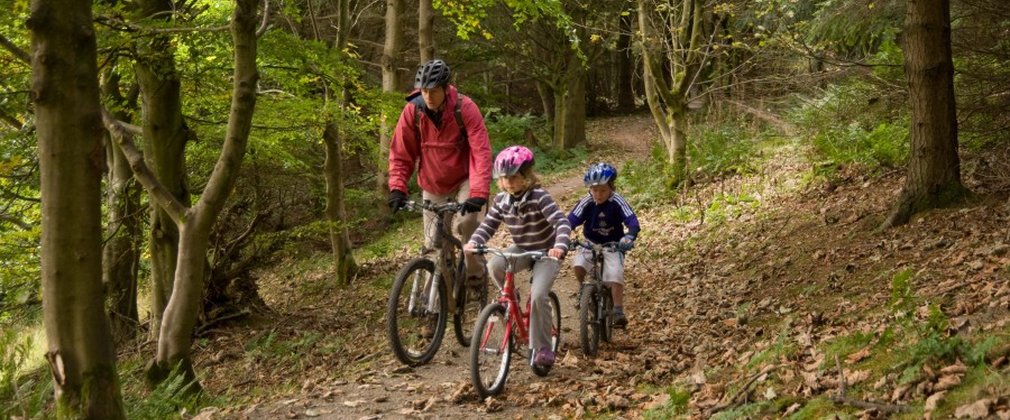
384, 388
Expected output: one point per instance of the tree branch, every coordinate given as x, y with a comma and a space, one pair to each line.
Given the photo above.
18, 52
123, 137
15, 221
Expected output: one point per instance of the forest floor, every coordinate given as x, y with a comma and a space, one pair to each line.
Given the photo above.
769, 293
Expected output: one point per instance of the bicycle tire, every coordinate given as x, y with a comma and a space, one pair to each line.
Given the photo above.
406, 330
555, 334
589, 320
491, 351
606, 314
469, 303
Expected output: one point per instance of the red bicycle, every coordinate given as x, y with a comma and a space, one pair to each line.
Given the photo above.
503, 322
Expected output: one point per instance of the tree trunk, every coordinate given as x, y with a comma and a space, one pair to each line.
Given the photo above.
625, 69
575, 108
166, 133
175, 337
667, 99
390, 77
425, 30
82, 358
934, 171
546, 98
570, 105
121, 254
335, 212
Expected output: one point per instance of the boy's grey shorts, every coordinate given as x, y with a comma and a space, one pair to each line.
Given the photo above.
613, 264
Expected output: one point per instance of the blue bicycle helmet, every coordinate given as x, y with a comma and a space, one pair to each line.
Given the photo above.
600, 173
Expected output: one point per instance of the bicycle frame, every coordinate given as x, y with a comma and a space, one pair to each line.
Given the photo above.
519, 320
448, 255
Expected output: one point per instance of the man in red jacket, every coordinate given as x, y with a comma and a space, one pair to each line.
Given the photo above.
442, 134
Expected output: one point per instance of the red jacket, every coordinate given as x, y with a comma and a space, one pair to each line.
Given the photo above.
442, 164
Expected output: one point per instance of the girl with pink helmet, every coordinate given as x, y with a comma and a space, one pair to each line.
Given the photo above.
536, 223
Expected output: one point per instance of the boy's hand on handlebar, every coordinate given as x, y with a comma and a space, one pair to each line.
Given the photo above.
556, 253
469, 248
626, 243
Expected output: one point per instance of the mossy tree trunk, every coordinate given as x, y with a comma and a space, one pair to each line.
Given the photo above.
166, 134
82, 358
673, 64
934, 170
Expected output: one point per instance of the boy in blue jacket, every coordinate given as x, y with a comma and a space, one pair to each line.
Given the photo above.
605, 215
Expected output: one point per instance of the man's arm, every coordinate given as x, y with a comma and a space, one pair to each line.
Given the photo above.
480, 150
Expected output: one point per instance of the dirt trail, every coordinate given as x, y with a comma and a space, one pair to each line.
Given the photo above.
441, 389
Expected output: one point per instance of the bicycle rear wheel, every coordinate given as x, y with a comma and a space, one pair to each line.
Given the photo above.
490, 351
555, 334
589, 320
606, 314
415, 330
470, 300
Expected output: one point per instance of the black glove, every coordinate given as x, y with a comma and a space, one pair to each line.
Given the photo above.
472, 205
396, 200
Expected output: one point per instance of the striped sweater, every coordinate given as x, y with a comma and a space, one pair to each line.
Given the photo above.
534, 220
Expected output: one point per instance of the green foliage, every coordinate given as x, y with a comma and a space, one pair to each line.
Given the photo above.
722, 148
468, 15
21, 395
851, 124
507, 130
640, 185
172, 399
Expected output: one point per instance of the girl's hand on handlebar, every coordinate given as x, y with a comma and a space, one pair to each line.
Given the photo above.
556, 253
469, 248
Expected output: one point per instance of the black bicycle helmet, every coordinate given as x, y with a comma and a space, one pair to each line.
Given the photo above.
432, 74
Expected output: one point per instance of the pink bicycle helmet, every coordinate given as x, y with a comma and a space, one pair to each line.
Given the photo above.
512, 160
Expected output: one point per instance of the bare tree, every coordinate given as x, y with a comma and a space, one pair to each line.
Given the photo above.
81, 355
934, 171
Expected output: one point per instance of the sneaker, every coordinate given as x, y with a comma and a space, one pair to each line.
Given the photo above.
544, 357
620, 321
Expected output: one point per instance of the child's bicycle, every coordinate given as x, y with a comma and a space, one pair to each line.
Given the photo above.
419, 301
500, 324
596, 304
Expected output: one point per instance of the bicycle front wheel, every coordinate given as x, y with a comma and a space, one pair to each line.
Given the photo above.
555, 334
589, 320
416, 316
490, 351
470, 300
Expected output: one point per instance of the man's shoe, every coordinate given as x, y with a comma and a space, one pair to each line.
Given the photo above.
620, 321
544, 358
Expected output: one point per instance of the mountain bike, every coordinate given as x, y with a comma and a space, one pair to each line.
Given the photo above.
501, 324
596, 304
420, 299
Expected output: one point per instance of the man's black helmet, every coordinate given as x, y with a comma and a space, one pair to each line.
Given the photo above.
432, 74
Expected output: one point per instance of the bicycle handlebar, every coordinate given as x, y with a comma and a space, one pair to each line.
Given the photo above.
612, 246
484, 249
449, 207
